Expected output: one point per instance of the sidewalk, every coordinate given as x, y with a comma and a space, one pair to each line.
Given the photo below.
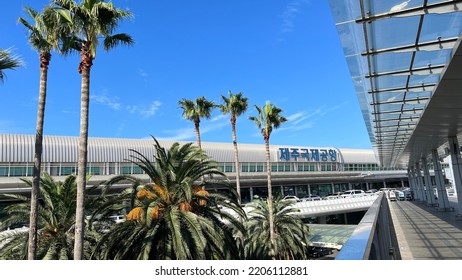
424, 233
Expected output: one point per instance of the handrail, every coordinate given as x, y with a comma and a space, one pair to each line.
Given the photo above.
374, 237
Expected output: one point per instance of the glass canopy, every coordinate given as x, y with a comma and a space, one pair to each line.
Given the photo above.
396, 52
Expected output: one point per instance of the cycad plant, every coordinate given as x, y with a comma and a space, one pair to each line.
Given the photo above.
173, 216
291, 234
56, 221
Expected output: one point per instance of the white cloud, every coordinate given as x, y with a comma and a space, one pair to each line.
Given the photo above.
189, 133
182, 134
107, 101
151, 110
144, 111
143, 73
304, 120
288, 16
132, 109
219, 117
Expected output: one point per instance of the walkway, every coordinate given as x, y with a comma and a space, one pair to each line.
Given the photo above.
424, 233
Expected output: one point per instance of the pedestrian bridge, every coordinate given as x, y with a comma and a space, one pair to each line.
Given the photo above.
317, 208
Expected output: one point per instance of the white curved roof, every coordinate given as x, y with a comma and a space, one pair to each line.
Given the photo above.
20, 148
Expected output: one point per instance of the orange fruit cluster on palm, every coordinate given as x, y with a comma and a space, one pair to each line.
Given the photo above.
162, 192
201, 192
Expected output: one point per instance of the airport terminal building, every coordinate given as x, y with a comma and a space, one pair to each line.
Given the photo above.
296, 170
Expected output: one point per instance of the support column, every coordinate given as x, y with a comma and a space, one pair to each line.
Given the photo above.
443, 203
428, 184
415, 183
402, 184
384, 184
456, 166
420, 182
410, 178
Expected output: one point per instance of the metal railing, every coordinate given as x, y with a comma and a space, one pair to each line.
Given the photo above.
374, 238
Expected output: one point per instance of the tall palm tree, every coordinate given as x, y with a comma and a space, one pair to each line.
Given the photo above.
195, 110
235, 105
43, 37
172, 217
8, 61
91, 20
269, 117
56, 220
292, 235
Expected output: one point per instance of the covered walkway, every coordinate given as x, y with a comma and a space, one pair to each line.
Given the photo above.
424, 233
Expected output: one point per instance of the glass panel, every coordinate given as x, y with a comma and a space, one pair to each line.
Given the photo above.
380, 6
4, 171
126, 170
229, 168
67, 170
94, 170
387, 35
444, 26
274, 167
137, 170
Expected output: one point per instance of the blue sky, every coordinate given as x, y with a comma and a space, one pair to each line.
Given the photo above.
287, 52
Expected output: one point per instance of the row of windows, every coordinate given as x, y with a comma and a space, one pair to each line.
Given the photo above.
17, 171
278, 167
110, 168
365, 167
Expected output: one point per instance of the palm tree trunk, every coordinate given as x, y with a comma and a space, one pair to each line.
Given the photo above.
236, 162
198, 134
84, 69
270, 197
35, 191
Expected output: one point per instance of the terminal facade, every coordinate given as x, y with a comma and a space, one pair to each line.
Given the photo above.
296, 170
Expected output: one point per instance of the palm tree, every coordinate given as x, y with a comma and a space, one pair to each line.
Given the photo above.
235, 105
91, 20
43, 37
194, 111
8, 61
172, 216
56, 220
268, 118
291, 234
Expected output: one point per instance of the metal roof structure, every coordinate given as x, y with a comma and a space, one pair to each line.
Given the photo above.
20, 148
405, 61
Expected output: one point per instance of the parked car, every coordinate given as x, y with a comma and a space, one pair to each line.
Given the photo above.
372, 192
333, 196
311, 198
292, 197
352, 193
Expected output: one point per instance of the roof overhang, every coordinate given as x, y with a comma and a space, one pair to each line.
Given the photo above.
404, 58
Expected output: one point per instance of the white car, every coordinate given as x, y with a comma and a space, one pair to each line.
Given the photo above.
352, 193
291, 197
311, 198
